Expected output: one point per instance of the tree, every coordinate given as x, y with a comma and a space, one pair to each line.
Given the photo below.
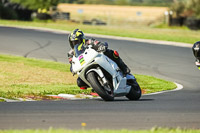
178, 7
122, 2
187, 8
98, 2
194, 6
36, 4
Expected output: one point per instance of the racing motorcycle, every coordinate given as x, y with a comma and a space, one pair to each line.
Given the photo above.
103, 75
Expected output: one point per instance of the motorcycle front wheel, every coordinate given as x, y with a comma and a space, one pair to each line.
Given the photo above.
96, 84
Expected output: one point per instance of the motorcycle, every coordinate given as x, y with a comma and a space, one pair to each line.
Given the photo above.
103, 75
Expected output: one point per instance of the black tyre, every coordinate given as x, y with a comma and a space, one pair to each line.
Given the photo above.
135, 92
97, 85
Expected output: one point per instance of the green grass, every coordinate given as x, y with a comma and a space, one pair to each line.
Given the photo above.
33, 78
157, 33
25, 77
153, 130
35, 62
151, 84
38, 92
2, 100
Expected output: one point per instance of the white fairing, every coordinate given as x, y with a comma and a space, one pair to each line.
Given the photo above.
90, 58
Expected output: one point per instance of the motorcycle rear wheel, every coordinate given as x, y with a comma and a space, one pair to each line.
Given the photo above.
135, 92
93, 78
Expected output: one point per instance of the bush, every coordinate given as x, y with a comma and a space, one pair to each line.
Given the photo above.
193, 23
43, 16
7, 13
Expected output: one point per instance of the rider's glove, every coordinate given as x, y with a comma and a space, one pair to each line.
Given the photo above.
70, 60
101, 48
72, 70
73, 73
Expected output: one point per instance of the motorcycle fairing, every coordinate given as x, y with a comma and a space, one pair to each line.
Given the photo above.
93, 59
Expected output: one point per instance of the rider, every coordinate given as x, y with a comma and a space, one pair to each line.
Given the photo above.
196, 52
77, 37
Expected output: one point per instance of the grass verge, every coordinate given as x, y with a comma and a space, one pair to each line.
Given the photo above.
167, 34
153, 130
31, 78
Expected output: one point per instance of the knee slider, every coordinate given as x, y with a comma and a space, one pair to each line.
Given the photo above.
115, 54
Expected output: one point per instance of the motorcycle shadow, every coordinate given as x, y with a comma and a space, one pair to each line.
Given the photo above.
127, 100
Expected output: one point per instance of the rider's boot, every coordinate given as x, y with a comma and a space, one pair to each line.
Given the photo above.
82, 84
121, 64
123, 67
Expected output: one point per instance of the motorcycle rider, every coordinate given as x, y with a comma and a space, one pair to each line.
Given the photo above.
77, 37
196, 52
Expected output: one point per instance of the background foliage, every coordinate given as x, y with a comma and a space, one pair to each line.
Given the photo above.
186, 8
194, 7
35, 4
122, 2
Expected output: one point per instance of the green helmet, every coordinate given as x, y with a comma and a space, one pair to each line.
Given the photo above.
76, 37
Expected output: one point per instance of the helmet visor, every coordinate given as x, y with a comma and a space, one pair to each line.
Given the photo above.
76, 42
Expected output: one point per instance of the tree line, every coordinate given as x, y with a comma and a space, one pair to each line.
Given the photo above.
122, 2
179, 7
186, 8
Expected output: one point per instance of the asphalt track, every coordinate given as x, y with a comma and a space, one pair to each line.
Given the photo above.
171, 109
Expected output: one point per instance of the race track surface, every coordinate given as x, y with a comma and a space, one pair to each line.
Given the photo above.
171, 109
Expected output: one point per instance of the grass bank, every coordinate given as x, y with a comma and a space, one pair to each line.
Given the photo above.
159, 33
153, 130
32, 78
